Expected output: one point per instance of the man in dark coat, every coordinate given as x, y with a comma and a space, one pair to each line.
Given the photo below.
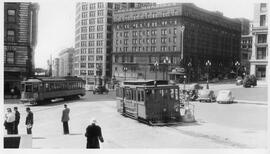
29, 120
93, 134
65, 119
17, 120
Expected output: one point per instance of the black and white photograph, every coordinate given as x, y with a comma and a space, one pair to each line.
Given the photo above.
135, 75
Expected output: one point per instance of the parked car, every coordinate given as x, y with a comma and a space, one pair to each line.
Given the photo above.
100, 90
249, 80
225, 96
239, 81
206, 95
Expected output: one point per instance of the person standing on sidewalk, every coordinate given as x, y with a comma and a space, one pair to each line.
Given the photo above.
9, 121
17, 119
29, 120
65, 119
93, 134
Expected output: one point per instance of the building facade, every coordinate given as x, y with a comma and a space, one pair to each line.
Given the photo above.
153, 42
259, 58
93, 39
20, 38
66, 62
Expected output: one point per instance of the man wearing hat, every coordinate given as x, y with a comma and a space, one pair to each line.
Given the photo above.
94, 135
65, 119
17, 119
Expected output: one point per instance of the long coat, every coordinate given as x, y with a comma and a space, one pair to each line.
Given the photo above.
65, 115
93, 134
29, 118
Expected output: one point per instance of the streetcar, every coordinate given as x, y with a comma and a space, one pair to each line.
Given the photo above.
152, 101
40, 90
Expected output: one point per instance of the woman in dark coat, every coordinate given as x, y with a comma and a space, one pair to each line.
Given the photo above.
93, 134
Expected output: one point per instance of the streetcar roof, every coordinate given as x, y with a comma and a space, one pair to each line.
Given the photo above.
145, 82
51, 79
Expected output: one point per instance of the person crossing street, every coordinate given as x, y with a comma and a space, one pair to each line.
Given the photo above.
65, 119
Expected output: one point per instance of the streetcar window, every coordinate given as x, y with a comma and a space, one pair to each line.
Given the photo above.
28, 88
47, 86
142, 96
176, 94
139, 96
35, 87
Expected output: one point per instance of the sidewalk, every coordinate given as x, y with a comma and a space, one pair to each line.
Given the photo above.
251, 102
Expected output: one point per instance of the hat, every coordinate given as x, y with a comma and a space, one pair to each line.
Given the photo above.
93, 121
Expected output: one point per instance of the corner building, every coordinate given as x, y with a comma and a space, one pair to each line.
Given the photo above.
20, 39
259, 57
145, 35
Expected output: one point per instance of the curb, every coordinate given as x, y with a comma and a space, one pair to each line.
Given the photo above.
251, 102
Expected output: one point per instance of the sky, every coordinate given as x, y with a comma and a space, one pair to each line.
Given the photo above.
56, 22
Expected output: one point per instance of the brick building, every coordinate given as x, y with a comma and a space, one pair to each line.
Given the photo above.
174, 36
20, 38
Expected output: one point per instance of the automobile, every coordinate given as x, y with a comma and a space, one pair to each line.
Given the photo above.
193, 91
224, 97
239, 81
249, 80
206, 95
100, 90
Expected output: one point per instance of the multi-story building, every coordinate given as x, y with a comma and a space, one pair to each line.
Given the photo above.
93, 39
172, 34
55, 69
20, 38
66, 62
259, 61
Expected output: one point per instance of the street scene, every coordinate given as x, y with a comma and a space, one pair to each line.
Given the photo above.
132, 75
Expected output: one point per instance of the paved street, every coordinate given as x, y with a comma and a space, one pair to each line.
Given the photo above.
218, 126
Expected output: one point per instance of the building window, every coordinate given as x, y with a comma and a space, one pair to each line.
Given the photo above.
92, 14
10, 35
84, 15
99, 58
83, 58
262, 20
91, 43
92, 36
92, 21
153, 48
100, 5
100, 28
100, 12
91, 72
153, 41
84, 22
92, 6
263, 7
83, 65
91, 58
100, 20
91, 65
91, 28
91, 50
153, 32
84, 7
83, 51
163, 31
84, 29
262, 38
125, 42
163, 40
261, 53
99, 50
126, 34
82, 72
11, 15
99, 35
83, 36
99, 43
83, 44
174, 48
10, 59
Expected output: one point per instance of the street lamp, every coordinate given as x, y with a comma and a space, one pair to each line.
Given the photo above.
182, 28
185, 82
125, 70
156, 64
237, 64
208, 65
167, 61
189, 71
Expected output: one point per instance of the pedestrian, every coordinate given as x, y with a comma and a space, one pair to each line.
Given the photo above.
12, 92
9, 121
29, 121
17, 119
65, 119
93, 134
